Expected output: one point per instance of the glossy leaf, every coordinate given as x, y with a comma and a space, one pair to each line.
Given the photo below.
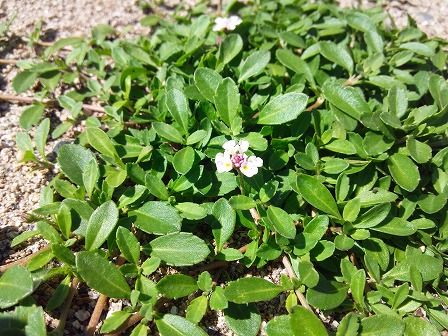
315, 193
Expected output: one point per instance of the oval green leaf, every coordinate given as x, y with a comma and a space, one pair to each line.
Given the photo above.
179, 249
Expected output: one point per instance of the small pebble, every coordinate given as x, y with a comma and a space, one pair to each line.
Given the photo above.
82, 315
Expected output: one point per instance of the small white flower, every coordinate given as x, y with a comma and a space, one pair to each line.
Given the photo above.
223, 162
234, 157
224, 23
250, 167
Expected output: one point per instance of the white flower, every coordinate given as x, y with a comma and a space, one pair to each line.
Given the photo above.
250, 167
234, 157
223, 162
223, 23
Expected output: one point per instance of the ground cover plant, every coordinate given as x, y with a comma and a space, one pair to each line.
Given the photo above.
285, 131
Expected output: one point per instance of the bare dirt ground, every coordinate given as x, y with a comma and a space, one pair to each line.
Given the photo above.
20, 185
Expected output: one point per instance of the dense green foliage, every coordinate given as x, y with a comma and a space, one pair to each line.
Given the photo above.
349, 117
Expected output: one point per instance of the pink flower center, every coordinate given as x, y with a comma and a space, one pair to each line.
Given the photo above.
238, 160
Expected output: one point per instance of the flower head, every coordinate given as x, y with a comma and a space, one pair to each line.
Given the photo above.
224, 23
234, 157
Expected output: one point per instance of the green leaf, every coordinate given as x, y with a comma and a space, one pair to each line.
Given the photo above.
245, 290
316, 194
197, 309
360, 21
140, 330
175, 286
179, 249
282, 222
254, 64
381, 325
156, 186
157, 217
337, 54
351, 210
347, 99
349, 325
396, 226
207, 82
373, 216
307, 274
431, 203
90, 176
225, 217
241, 202
195, 137
31, 115
59, 294
419, 151
400, 295
378, 196
101, 275
177, 105
243, 319
24, 236
341, 146
283, 108
404, 171
101, 224
24, 80
128, 245
304, 322
15, 284
114, 321
205, 281
48, 232
168, 132
418, 48
64, 220
295, 63
99, 140
398, 101
41, 135
357, 286
327, 294
227, 101
74, 161
191, 210
229, 49
375, 144
183, 160
218, 299
279, 326
416, 326
173, 325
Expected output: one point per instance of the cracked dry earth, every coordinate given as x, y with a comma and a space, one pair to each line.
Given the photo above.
20, 185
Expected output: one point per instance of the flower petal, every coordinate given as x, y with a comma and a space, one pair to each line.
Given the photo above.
220, 24
229, 145
244, 145
255, 161
248, 169
223, 163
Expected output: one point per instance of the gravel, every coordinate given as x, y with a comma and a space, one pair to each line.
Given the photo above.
20, 184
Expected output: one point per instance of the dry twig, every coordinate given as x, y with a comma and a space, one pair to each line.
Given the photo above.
23, 260
50, 102
68, 302
131, 321
292, 275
